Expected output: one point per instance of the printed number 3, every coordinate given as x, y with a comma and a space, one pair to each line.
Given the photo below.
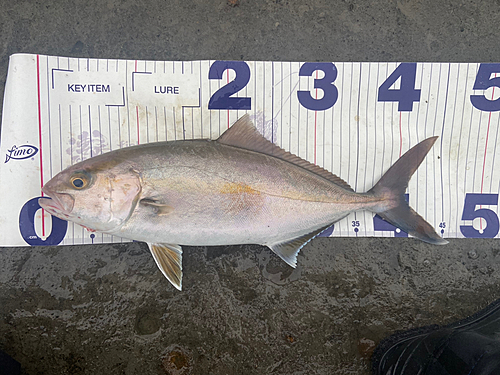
330, 92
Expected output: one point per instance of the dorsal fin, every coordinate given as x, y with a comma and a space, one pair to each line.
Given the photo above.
243, 134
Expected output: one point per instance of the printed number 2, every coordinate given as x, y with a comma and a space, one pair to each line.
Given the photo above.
470, 213
27, 226
222, 99
484, 81
407, 93
330, 92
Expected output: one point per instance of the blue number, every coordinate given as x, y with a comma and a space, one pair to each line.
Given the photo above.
380, 224
221, 99
470, 213
406, 94
483, 82
330, 92
27, 226
355, 223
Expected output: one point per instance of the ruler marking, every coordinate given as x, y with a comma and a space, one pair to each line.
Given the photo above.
90, 133
441, 141
366, 140
450, 148
263, 97
48, 113
127, 108
434, 132
486, 142
460, 143
40, 136
467, 150
138, 133
272, 101
81, 131
494, 153
100, 129
60, 135
156, 123
425, 132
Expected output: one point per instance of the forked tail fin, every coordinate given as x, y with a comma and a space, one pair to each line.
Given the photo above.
391, 188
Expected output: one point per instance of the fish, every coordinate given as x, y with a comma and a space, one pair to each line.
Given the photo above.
238, 189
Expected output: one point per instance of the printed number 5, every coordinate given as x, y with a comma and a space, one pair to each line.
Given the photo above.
483, 82
470, 213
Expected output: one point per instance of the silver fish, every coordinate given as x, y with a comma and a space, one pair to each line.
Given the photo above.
239, 189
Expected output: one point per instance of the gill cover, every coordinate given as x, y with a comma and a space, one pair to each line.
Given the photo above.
125, 190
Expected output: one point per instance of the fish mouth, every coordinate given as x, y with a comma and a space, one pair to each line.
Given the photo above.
57, 204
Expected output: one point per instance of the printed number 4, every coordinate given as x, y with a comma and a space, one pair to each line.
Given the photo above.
406, 94
380, 224
470, 213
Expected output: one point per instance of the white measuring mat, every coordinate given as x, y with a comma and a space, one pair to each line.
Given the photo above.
353, 119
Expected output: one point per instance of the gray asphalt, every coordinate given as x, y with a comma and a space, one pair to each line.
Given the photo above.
108, 310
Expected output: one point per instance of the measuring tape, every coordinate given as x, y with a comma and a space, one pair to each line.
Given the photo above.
353, 119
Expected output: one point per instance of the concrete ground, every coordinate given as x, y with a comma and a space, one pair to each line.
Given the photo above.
108, 310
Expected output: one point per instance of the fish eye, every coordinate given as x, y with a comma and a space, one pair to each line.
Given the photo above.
79, 181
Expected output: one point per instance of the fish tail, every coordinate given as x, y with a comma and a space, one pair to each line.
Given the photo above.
391, 189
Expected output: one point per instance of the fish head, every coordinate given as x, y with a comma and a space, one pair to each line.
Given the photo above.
92, 195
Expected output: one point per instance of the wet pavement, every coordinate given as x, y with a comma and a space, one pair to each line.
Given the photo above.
107, 308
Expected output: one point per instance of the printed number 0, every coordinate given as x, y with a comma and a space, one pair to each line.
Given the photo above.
222, 99
330, 92
470, 213
27, 226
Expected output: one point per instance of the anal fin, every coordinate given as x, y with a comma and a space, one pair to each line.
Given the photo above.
168, 258
289, 249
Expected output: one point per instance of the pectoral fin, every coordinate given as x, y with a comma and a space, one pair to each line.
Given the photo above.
289, 249
168, 258
159, 207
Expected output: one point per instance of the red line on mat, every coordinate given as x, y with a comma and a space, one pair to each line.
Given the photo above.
40, 135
